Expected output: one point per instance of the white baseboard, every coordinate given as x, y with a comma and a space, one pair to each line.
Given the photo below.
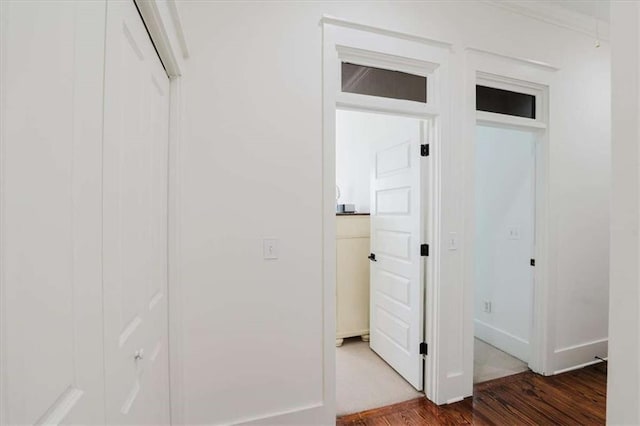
317, 414
578, 356
502, 340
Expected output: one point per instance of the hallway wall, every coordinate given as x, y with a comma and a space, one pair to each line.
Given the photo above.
251, 168
623, 387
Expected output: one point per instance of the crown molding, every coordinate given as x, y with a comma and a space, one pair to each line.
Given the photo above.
328, 19
552, 13
177, 22
530, 62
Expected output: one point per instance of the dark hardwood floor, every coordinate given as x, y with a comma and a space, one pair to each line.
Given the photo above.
574, 398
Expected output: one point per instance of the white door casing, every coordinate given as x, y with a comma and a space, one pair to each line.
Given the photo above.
135, 177
359, 43
397, 272
535, 78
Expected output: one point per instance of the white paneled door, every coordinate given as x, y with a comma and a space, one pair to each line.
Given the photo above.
51, 64
135, 222
396, 261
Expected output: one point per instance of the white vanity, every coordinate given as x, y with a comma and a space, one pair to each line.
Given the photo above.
352, 281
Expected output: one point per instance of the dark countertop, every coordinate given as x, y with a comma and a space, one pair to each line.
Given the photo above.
352, 214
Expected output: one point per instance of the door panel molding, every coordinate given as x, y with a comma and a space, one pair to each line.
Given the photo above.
135, 219
50, 185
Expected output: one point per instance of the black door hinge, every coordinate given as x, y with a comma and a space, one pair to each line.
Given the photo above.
372, 257
424, 250
533, 262
424, 349
424, 150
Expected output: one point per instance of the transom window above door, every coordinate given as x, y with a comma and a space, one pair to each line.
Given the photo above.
500, 101
365, 80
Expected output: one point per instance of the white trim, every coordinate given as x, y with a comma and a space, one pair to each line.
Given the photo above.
330, 87
4, 23
579, 366
177, 22
528, 77
352, 101
555, 14
386, 61
174, 295
339, 22
454, 400
62, 407
508, 120
567, 359
159, 34
432, 203
507, 342
396, 50
515, 59
309, 414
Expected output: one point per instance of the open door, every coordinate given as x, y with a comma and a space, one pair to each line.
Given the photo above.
397, 300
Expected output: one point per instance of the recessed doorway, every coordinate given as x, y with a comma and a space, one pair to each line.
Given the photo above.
504, 250
379, 264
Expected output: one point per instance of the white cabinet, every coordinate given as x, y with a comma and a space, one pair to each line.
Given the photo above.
352, 281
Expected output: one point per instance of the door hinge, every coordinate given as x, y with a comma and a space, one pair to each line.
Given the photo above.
424, 349
424, 150
533, 262
424, 250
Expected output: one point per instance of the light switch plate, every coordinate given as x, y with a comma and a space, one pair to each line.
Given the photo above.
513, 233
270, 248
452, 242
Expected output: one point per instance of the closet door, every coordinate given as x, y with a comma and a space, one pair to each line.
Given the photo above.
51, 83
135, 159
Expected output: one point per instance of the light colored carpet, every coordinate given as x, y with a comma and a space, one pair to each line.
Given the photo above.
491, 363
364, 381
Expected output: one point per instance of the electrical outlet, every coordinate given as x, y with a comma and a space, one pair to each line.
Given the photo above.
487, 306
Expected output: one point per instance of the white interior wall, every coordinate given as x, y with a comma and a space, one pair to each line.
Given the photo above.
356, 133
250, 167
505, 174
623, 387
353, 177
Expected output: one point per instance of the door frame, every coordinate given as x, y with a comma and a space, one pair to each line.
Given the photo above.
534, 78
367, 45
164, 25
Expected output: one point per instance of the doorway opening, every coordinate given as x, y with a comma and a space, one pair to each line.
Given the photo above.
504, 249
379, 267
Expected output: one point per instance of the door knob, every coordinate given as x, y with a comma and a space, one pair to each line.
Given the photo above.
138, 355
372, 257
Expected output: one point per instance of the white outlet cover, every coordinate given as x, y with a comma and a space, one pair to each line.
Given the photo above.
513, 233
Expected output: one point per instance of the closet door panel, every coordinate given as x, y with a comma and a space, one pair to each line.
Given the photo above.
50, 233
135, 222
